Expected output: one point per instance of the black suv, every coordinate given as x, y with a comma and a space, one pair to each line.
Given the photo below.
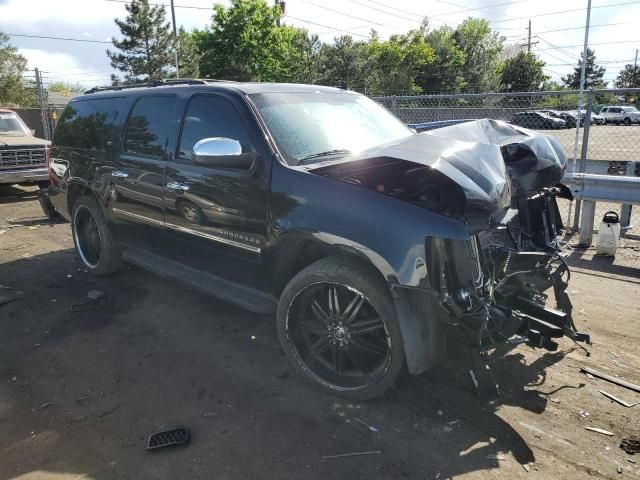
369, 241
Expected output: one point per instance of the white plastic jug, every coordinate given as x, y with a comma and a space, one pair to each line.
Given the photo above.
609, 234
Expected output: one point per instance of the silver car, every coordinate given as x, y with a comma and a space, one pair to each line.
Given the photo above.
620, 114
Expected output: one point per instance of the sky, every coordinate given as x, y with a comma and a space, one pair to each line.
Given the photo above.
557, 28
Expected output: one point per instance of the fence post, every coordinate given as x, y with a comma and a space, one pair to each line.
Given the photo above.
42, 105
584, 151
394, 105
625, 209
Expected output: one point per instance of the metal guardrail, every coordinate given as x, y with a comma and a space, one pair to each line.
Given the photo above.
592, 188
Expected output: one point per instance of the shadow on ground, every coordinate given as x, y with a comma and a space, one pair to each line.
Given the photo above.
82, 391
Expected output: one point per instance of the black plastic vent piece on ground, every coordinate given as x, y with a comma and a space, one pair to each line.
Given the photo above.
168, 438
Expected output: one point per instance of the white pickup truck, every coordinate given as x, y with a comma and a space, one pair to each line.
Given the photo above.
620, 114
23, 157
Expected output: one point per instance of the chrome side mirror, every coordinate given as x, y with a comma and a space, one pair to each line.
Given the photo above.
222, 153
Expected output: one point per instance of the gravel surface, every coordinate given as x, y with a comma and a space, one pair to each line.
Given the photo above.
80, 392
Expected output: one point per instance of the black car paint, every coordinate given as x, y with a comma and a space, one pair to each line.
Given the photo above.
313, 209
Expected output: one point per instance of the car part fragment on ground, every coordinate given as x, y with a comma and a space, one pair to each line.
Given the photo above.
168, 438
630, 445
611, 378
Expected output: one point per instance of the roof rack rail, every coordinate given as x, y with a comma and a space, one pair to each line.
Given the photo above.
159, 83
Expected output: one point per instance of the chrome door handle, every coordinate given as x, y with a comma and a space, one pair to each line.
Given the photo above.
178, 186
119, 174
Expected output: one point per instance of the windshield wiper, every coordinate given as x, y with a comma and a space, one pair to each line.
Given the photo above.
328, 153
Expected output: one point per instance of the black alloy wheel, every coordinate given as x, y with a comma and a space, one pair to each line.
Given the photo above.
87, 236
338, 335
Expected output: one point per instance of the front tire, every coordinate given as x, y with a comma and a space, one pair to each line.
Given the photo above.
94, 238
337, 326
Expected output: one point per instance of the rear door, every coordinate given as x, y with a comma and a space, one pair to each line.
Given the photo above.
137, 179
218, 216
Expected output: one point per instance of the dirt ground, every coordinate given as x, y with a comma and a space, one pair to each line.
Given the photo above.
81, 391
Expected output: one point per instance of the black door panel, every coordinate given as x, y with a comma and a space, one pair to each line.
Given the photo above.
137, 180
219, 213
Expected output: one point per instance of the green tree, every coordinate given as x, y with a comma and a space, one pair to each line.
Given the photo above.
188, 54
481, 47
145, 52
344, 63
628, 77
395, 64
522, 73
593, 74
242, 42
66, 88
446, 72
14, 89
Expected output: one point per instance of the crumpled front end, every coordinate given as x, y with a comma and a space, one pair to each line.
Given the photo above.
501, 182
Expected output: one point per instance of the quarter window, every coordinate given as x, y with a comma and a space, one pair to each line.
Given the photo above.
148, 125
88, 124
211, 116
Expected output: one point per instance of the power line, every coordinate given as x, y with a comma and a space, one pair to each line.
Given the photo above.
354, 16
165, 5
383, 11
592, 44
326, 26
566, 11
57, 38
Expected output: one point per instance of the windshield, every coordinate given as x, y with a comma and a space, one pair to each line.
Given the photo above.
10, 124
315, 126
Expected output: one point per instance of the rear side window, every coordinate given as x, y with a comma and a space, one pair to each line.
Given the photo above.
210, 116
148, 124
88, 124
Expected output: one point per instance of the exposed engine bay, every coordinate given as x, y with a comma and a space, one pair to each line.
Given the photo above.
502, 182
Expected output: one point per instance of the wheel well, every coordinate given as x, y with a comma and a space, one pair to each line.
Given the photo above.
74, 193
305, 254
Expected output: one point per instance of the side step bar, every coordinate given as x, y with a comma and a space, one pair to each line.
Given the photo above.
245, 297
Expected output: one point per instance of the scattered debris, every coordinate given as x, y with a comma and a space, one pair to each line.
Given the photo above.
97, 298
45, 405
210, 414
493, 456
352, 454
631, 460
619, 400
6, 297
554, 400
630, 445
370, 427
168, 438
619, 469
95, 294
583, 414
4, 230
612, 379
526, 467
599, 430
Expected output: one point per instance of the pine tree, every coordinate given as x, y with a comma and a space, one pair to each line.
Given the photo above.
593, 74
146, 50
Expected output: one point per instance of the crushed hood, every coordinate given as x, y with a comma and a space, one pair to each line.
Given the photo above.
461, 170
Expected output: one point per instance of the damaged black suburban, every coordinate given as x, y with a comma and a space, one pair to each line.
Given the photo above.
373, 244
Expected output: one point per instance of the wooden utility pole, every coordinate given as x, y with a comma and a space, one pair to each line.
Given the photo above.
529, 40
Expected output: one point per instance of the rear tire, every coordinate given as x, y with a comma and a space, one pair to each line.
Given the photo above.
94, 238
627, 121
337, 325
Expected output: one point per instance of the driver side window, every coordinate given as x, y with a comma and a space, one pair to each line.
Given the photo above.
210, 116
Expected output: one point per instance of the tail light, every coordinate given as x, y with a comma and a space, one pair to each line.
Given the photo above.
49, 160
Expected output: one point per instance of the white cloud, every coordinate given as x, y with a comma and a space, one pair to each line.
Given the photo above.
65, 67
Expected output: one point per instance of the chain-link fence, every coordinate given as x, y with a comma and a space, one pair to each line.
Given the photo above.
609, 121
